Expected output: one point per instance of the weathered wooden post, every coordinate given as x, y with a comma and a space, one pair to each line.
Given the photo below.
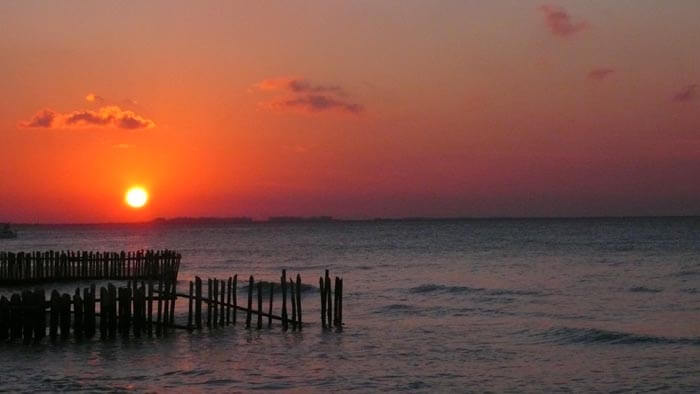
54, 314
159, 314
215, 314
269, 311
15, 317
335, 302
250, 302
78, 314
234, 286
260, 305
104, 311
189, 307
198, 304
4, 318
299, 300
283, 281
228, 301
27, 315
292, 299
112, 310
329, 302
222, 313
340, 303
209, 293
65, 316
322, 290
150, 307
40, 328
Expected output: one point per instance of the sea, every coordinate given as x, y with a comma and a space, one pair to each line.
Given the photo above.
473, 305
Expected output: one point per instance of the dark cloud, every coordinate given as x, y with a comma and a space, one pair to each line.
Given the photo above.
688, 93
319, 102
43, 118
599, 74
110, 116
305, 95
560, 22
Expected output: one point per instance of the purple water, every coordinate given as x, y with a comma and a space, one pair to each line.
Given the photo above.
473, 305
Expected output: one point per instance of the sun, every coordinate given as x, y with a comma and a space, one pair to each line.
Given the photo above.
136, 197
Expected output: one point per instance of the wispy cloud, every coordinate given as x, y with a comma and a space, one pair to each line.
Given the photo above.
109, 116
316, 103
599, 74
688, 93
307, 96
560, 22
93, 98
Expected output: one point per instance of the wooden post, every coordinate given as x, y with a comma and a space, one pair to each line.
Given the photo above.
234, 286
15, 316
173, 299
209, 293
27, 316
329, 302
189, 309
269, 311
283, 281
222, 314
292, 299
40, 328
65, 316
54, 314
78, 314
215, 294
198, 304
112, 310
299, 301
159, 315
228, 301
150, 307
322, 290
104, 312
260, 305
250, 302
4, 317
340, 303
335, 302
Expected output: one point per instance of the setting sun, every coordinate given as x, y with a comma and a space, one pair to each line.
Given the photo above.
136, 197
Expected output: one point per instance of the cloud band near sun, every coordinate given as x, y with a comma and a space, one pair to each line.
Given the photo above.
300, 94
109, 116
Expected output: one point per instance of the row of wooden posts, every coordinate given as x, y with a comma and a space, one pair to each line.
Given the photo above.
130, 310
52, 266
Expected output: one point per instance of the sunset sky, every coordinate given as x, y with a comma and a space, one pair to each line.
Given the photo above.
354, 109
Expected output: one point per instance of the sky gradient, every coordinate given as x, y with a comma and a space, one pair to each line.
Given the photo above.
354, 109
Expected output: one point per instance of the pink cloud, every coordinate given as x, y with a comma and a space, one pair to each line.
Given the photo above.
688, 93
560, 22
110, 116
599, 74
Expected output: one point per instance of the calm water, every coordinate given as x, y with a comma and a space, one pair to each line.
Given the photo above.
457, 306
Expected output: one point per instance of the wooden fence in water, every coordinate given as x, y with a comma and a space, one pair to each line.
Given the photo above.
148, 307
53, 266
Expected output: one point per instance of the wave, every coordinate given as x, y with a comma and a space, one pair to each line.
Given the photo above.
642, 289
436, 288
569, 335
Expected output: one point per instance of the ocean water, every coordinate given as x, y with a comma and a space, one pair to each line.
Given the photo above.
429, 306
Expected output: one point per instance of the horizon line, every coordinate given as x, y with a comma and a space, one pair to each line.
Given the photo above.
331, 219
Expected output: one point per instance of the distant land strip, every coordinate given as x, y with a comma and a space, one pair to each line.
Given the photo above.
214, 220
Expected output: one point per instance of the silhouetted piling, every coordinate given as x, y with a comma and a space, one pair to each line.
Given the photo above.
250, 302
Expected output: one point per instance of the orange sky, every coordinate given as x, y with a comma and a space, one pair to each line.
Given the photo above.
352, 109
